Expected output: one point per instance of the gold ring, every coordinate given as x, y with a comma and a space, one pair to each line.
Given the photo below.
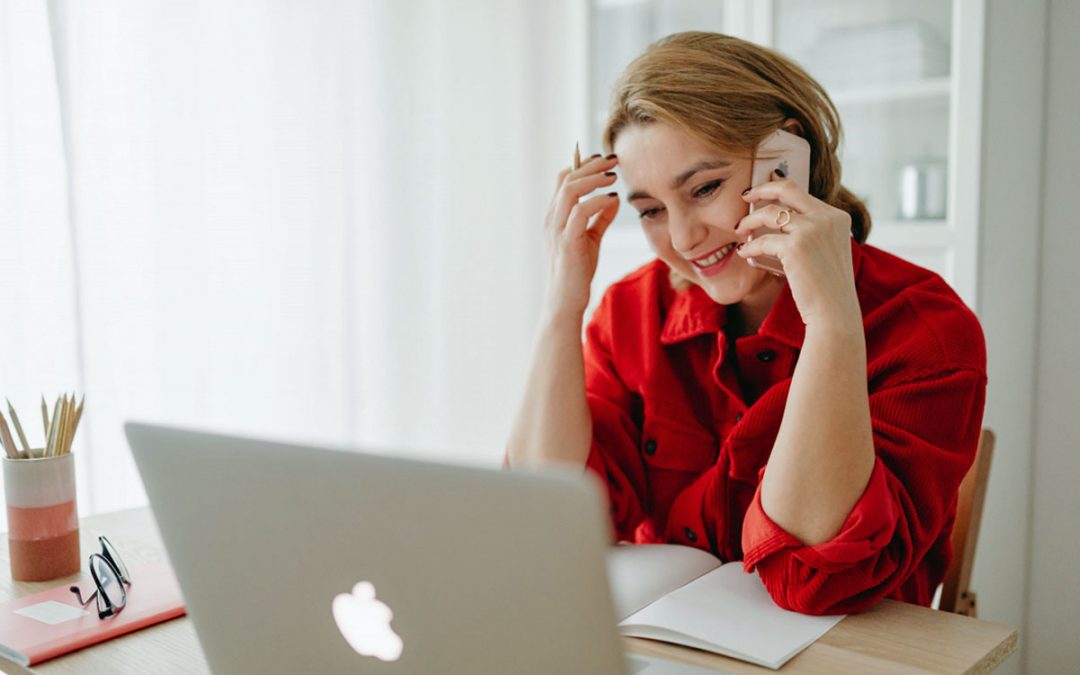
783, 217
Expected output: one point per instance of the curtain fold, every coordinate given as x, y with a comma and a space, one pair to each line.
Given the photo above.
311, 221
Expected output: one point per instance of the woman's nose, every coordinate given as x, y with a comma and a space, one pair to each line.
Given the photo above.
687, 233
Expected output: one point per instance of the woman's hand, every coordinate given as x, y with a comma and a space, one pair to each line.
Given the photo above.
813, 244
573, 243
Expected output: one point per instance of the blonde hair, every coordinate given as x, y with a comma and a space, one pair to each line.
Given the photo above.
731, 94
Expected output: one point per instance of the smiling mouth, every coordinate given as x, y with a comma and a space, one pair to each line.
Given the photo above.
716, 256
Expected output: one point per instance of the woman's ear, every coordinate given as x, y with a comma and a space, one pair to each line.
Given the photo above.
793, 126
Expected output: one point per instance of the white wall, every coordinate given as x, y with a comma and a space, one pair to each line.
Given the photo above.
1011, 168
1054, 602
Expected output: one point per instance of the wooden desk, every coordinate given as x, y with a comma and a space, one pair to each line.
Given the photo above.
893, 637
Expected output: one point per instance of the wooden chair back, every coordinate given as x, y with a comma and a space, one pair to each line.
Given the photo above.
956, 596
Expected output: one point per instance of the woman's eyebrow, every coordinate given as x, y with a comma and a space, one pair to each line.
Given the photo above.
677, 182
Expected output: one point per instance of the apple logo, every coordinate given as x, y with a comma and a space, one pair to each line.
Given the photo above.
365, 623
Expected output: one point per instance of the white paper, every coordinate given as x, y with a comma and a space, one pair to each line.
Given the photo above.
730, 612
51, 612
641, 573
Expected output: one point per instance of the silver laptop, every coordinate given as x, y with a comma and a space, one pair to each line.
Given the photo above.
300, 559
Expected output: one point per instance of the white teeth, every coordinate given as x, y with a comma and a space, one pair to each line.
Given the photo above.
715, 257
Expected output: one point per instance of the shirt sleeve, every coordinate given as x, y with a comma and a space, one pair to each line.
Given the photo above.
615, 455
925, 438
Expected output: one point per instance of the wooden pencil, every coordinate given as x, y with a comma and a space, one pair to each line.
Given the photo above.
45, 416
50, 440
69, 437
65, 420
78, 416
18, 427
8, 441
59, 440
577, 156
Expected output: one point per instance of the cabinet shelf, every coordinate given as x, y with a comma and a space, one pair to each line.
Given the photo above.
921, 234
934, 88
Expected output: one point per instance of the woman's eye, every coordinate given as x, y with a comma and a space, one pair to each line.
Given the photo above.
648, 213
707, 188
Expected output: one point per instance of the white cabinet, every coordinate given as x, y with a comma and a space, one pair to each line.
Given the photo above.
905, 77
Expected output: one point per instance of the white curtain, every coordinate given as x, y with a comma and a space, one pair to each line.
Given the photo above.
317, 221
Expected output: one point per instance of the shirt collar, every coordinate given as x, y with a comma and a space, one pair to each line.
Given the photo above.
692, 312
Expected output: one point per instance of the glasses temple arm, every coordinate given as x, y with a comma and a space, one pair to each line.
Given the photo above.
78, 594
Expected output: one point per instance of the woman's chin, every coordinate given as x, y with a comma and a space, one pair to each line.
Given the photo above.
729, 287
726, 294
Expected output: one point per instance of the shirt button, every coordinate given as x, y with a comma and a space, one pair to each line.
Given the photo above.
766, 355
690, 534
650, 447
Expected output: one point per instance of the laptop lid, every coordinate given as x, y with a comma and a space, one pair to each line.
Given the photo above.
287, 555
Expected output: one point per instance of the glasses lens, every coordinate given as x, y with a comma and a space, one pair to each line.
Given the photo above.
108, 580
114, 558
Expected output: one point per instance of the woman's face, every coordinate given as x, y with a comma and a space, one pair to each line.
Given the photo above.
689, 197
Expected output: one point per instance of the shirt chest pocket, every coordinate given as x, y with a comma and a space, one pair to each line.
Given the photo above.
677, 446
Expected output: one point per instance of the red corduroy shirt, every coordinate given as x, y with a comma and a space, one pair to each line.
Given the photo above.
684, 420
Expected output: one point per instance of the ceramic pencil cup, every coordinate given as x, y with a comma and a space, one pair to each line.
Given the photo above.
43, 521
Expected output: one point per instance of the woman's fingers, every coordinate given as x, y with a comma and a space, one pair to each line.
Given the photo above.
592, 165
785, 191
573, 189
582, 212
773, 244
561, 177
606, 216
768, 217
564, 175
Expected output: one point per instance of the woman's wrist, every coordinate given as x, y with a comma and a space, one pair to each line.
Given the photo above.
837, 317
560, 316
842, 328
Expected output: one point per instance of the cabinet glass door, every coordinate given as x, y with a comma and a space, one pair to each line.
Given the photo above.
899, 73
887, 67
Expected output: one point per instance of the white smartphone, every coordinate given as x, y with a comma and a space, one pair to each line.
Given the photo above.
789, 155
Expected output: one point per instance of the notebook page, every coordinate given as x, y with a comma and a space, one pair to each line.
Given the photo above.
640, 573
730, 610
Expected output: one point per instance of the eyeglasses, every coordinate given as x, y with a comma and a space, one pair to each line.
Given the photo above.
110, 576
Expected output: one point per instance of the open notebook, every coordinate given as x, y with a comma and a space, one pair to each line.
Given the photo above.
685, 596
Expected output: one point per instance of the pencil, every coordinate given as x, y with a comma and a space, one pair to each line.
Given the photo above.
70, 426
50, 441
45, 416
67, 424
78, 416
62, 428
5, 436
18, 427
577, 156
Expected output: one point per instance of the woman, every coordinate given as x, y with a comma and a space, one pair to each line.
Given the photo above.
816, 426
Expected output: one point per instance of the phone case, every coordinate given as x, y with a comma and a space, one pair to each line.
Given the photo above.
791, 155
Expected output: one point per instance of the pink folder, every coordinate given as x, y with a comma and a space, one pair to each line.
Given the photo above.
38, 627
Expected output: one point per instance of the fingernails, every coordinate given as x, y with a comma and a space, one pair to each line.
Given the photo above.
613, 194
609, 173
594, 156
612, 156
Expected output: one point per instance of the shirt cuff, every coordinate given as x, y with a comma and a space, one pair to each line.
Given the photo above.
868, 529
